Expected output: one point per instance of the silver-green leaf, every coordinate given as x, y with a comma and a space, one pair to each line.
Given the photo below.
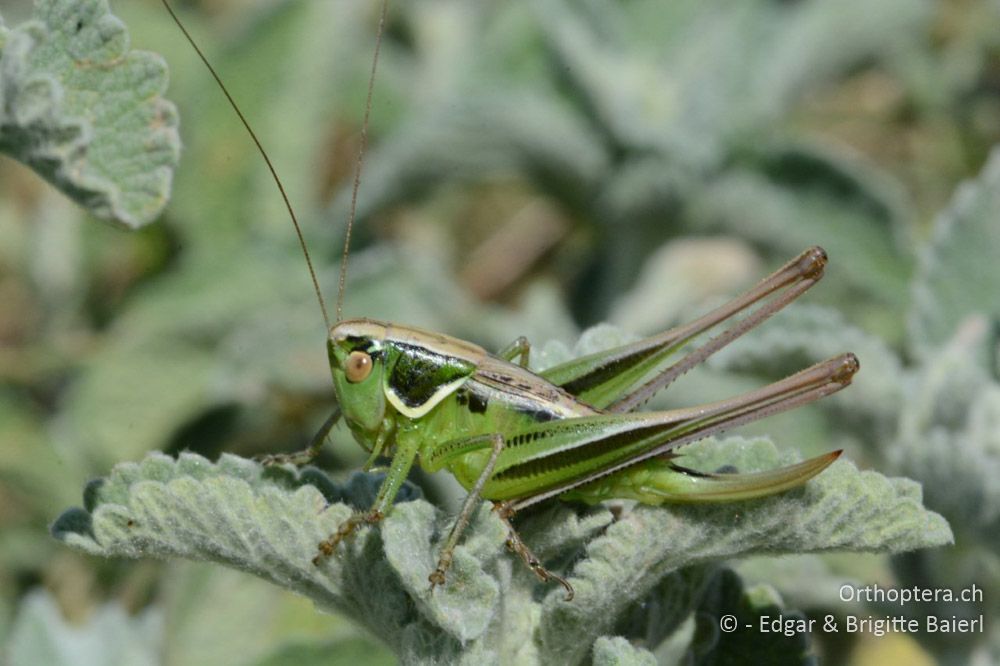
617, 651
958, 270
949, 431
86, 113
841, 509
267, 521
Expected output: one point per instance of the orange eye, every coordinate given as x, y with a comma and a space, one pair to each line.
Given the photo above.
358, 366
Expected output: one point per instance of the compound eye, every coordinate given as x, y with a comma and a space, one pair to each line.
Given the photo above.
358, 366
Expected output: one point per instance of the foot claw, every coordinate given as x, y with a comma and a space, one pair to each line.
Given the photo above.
327, 546
269, 459
296, 459
436, 578
570, 593
516, 544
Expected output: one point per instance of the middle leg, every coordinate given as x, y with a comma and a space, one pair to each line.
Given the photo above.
471, 502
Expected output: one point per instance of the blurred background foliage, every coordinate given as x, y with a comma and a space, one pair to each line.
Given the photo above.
535, 168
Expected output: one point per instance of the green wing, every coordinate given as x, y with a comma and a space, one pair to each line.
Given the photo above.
542, 460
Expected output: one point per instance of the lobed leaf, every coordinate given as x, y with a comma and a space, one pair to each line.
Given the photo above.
86, 113
267, 521
841, 509
617, 651
948, 431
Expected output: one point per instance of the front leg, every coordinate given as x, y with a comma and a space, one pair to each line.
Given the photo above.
307, 455
399, 467
328, 545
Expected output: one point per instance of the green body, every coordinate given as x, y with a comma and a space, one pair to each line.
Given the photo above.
442, 401
516, 437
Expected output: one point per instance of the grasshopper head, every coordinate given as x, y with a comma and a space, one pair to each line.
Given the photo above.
357, 360
378, 367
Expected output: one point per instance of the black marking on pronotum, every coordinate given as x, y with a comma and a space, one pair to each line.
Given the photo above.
359, 343
418, 373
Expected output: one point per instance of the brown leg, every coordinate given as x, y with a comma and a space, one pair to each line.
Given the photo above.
785, 285
471, 502
399, 467
516, 544
328, 545
308, 454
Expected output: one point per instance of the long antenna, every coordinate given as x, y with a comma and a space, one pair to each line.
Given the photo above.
267, 160
360, 162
